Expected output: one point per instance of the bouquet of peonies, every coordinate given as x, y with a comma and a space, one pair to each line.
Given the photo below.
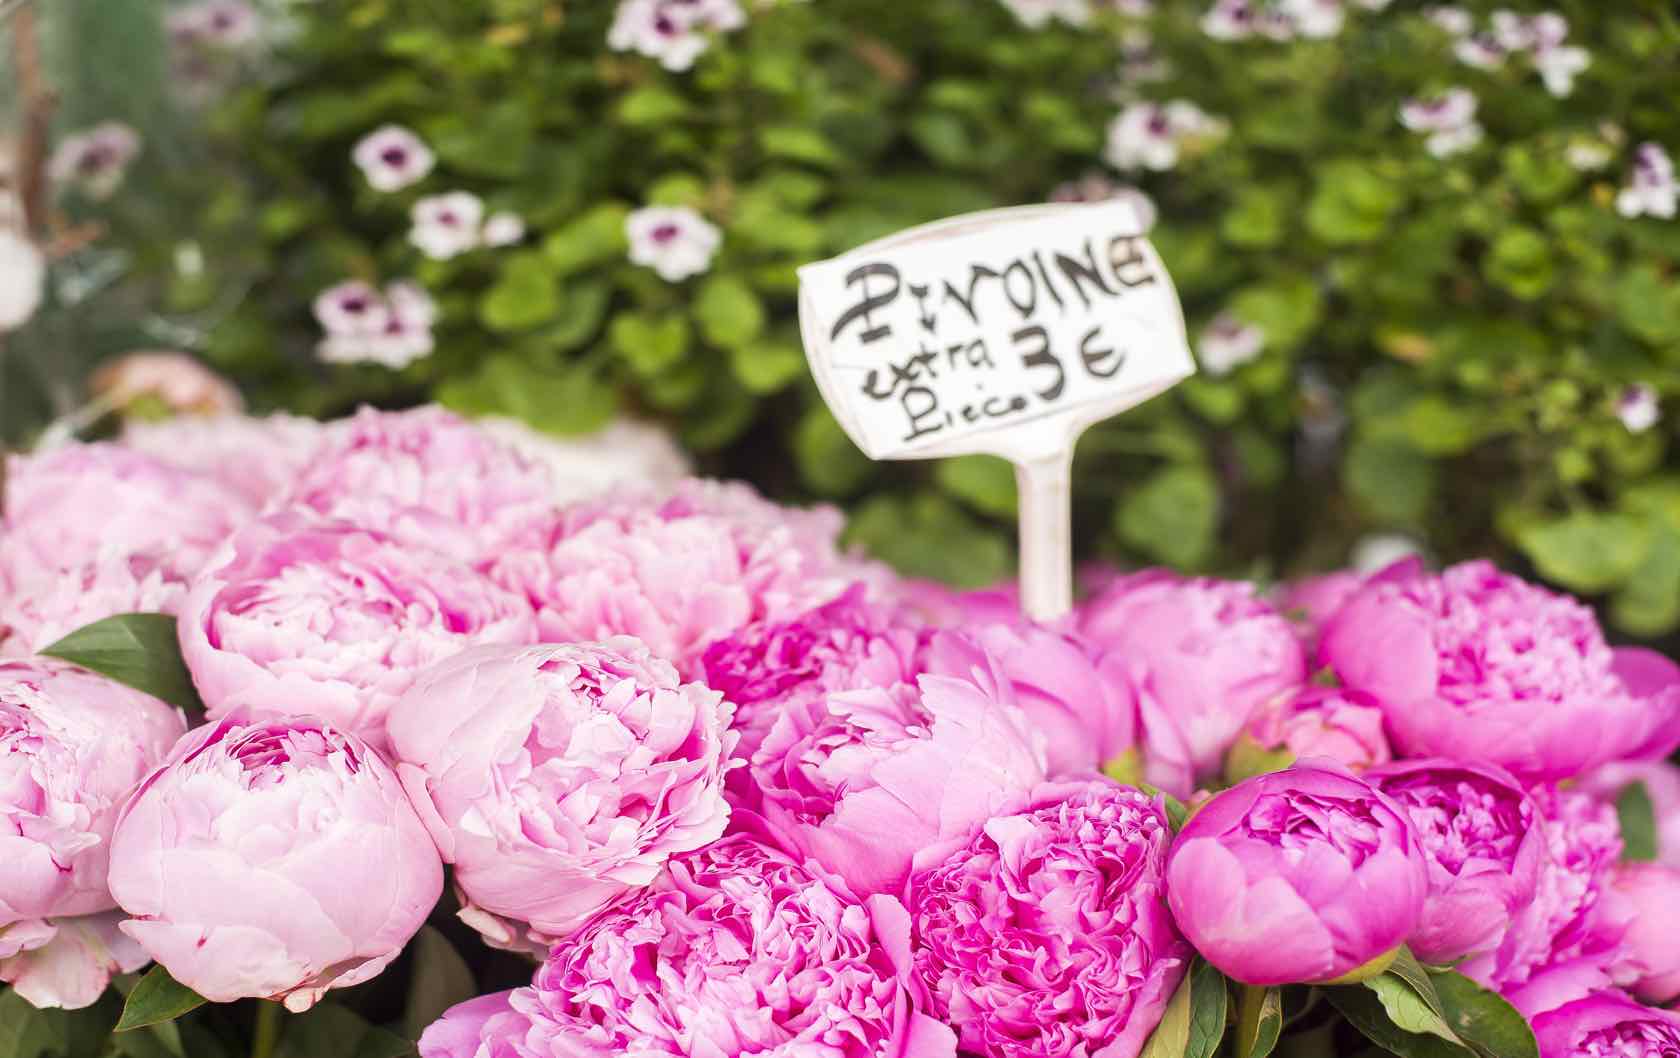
737, 792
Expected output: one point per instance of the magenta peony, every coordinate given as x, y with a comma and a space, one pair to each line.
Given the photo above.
72, 746
679, 572
1475, 664
1326, 722
427, 476
736, 951
1304, 875
1661, 781
298, 615
1483, 839
1607, 1025
272, 859
1200, 657
1047, 934
256, 457
558, 778
841, 645
862, 780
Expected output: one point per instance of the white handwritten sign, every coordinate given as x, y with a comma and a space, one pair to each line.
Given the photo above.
1006, 332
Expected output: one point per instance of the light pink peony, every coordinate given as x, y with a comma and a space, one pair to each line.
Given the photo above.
70, 507
176, 380
558, 778
300, 615
272, 859
1661, 780
1476, 664
736, 951
1047, 935
679, 572
862, 780
841, 645
40, 605
428, 476
1646, 896
1200, 656
72, 746
257, 457
1342, 725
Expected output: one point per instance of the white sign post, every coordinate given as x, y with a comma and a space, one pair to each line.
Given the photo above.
1006, 332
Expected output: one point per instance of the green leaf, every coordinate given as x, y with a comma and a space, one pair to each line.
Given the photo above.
649, 344
1173, 515
157, 998
1638, 820
26, 1032
765, 367
985, 483
1409, 1009
1390, 480
828, 461
526, 294
1360, 1005
328, 1030
591, 239
1171, 1038
798, 143
1648, 603
1288, 310
927, 535
1648, 305
729, 313
1520, 260
1210, 992
1259, 1021
1257, 219
1483, 1019
651, 105
440, 979
1406, 967
1587, 551
137, 649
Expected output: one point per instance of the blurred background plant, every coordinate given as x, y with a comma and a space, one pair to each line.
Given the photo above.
1427, 254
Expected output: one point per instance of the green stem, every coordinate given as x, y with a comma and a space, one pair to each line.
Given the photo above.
266, 1034
1248, 1018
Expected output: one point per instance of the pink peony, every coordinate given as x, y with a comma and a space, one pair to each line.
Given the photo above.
1326, 722
430, 477
1661, 781
1312, 601
39, 606
176, 380
272, 859
736, 951
300, 615
1047, 934
679, 572
862, 780
1607, 1025
1200, 656
842, 645
558, 778
1475, 664
1646, 896
72, 746
257, 457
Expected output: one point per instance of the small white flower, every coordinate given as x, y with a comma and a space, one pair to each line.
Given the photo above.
1227, 343
23, 276
672, 31
365, 326
351, 309
447, 225
1230, 20
1454, 20
1314, 19
1480, 51
1149, 135
1547, 30
392, 158
1036, 14
1449, 119
503, 229
1651, 189
95, 160
1558, 66
1512, 31
1378, 551
674, 241
1448, 142
1638, 408
218, 23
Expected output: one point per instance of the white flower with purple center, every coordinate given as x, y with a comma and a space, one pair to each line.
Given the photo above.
1454, 20
392, 158
503, 229
1231, 20
1036, 14
1449, 119
1314, 19
365, 326
1227, 343
1151, 135
674, 241
1480, 51
672, 31
1638, 408
23, 274
1651, 190
1559, 66
447, 225
216, 23
95, 160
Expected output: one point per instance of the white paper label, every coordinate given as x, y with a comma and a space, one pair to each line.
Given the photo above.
1005, 332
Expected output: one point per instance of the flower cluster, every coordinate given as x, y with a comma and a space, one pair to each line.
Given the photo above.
393, 327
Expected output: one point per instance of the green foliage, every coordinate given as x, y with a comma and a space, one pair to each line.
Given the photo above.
1444, 338
156, 999
139, 649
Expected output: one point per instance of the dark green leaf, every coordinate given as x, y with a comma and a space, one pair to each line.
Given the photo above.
1259, 1021
1172, 1034
1210, 993
328, 1030
1638, 819
157, 998
1366, 1013
985, 483
1491, 1026
441, 978
26, 1032
138, 649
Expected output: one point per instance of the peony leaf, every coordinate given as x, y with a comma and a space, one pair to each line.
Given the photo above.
1409, 1009
440, 980
138, 649
1172, 1036
1259, 1021
1209, 994
1360, 1005
157, 998
1406, 967
1639, 823
1483, 1019
26, 1032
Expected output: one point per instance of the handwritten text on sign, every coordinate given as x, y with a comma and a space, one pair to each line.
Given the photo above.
921, 344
